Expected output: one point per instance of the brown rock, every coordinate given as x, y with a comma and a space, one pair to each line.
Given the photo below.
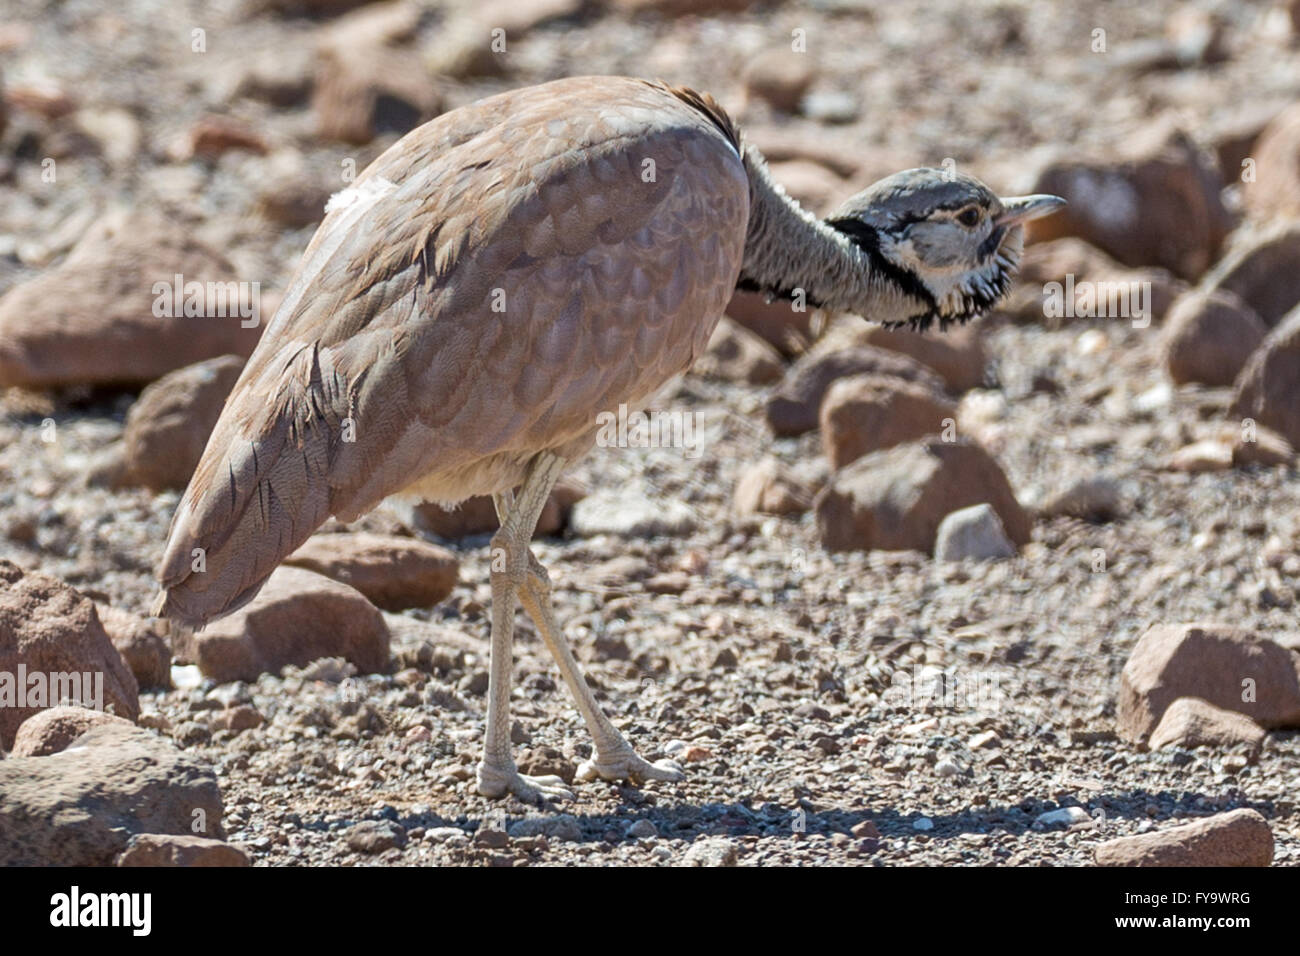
1209, 336
213, 135
394, 573
366, 84
1268, 386
813, 186
958, 355
1263, 269
796, 405
1191, 722
53, 634
1161, 208
1276, 189
298, 617
91, 320
238, 719
1209, 455
1229, 667
779, 76
789, 331
736, 354
281, 76
894, 500
1233, 135
1239, 838
168, 427
865, 413
290, 193
158, 849
51, 731
143, 644
771, 488
82, 806
1264, 447
478, 516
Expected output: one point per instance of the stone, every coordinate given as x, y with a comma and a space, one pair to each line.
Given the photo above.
394, 573
1275, 191
160, 849
865, 413
815, 187
975, 533
1208, 337
1091, 498
1266, 389
167, 428
52, 731
52, 647
710, 851
1238, 838
736, 354
958, 355
367, 83
91, 320
1191, 722
143, 644
280, 76
894, 500
289, 192
375, 836
1262, 268
1211, 454
772, 489
631, 514
1065, 816
1264, 447
562, 826
780, 77
790, 331
795, 407
298, 617
1227, 666
478, 515
210, 136
1159, 208
82, 806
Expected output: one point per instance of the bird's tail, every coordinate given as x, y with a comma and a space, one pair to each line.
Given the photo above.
260, 489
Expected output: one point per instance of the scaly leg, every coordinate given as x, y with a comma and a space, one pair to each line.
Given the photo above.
614, 758
497, 774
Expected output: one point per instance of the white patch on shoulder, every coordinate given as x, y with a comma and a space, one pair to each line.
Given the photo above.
365, 192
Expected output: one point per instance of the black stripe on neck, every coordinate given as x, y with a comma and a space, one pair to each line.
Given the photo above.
867, 239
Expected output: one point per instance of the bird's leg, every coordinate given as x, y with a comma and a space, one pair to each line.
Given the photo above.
497, 774
614, 758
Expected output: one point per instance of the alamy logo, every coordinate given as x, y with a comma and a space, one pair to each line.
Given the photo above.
41, 689
75, 908
216, 300
626, 429
1098, 300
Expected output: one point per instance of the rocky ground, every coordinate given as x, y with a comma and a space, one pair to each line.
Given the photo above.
744, 610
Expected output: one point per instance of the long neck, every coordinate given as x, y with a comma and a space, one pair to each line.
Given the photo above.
788, 250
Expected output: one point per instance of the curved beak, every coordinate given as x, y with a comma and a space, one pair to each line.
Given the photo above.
1019, 209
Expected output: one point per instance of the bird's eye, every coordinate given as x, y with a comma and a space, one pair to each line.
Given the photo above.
969, 217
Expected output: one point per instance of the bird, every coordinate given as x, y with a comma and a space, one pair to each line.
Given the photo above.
494, 281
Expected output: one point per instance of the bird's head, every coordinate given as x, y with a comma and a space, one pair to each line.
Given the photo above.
945, 239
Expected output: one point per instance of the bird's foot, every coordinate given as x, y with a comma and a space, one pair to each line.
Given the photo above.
496, 781
624, 764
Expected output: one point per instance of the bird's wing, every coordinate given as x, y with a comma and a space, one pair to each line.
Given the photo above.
389, 328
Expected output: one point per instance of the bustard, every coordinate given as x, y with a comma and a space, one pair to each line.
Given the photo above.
496, 280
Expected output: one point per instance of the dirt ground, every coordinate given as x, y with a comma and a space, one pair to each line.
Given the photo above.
766, 676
